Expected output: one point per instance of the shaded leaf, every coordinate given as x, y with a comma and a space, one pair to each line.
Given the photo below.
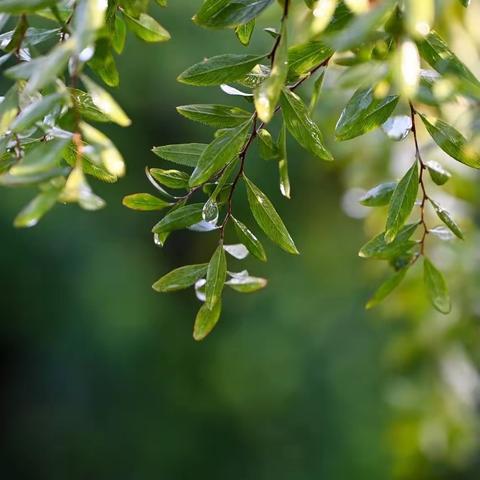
144, 202
386, 288
206, 320
219, 69
180, 278
218, 116
146, 28
216, 274
445, 217
402, 202
364, 113
180, 218
36, 209
436, 287
186, 154
301, 126
379, 196
249, 240
268, 219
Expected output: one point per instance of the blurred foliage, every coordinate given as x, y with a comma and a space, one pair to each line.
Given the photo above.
101, 378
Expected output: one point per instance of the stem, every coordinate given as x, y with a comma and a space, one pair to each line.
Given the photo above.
421, 181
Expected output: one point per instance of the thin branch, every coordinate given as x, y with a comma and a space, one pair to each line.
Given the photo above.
421, 181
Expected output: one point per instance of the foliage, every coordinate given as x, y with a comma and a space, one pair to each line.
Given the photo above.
46, 139
404, 75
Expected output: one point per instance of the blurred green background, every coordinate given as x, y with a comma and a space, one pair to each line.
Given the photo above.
100, 375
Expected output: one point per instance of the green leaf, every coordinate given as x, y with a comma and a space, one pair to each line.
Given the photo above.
244, 32
246, 283
379, 196
378, 248
267, 148
438, 174
386, 288
219, 69
146, 28
180, 218
170, 178
268, 219
105, 103
267, 94
445, 217
364, 113
301, 126
88, 110
216, 274
221, 151
306, 56
186, 154
283, 163
49, 67
218, 116
8, 109
402, 203
144, 202
24, 6
36, 209
89, 17
43, 157
451, 141
36, 111
119, 36
206, 320
362, 27
435, 51
436, 287
180, 278
229, 13
249, 240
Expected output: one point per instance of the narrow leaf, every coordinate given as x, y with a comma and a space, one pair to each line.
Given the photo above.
180, 278
144, 202
268, 219
206, 320
216, 274
436, 287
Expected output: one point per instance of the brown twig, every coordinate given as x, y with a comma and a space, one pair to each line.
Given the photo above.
421, 181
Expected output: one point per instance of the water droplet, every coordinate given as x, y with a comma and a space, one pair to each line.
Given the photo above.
238, 251
210, 212
398, 127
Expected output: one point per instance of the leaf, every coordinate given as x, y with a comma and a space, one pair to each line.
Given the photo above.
8, 109
221, 151
105, 103
41, 158
88, 110
180, 218
249, 240
402, 203
229, 13
119, 35
180, 278
50, 66
436, 52
144, 202
386, 288
445, 217
89, 17
268, 219
219, 69
451, 141
436, 287
267, 148
186, 154
36, 111
306, 56
246, 283
283, 163
361, 27
206, 320
267, 94
36, 209
77, 190
170, 178
301, 126
23, 6
364, 113
437, 173
244, 32
419, 17
218, 116
379, 196
146, 28
378, 248
216, 274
